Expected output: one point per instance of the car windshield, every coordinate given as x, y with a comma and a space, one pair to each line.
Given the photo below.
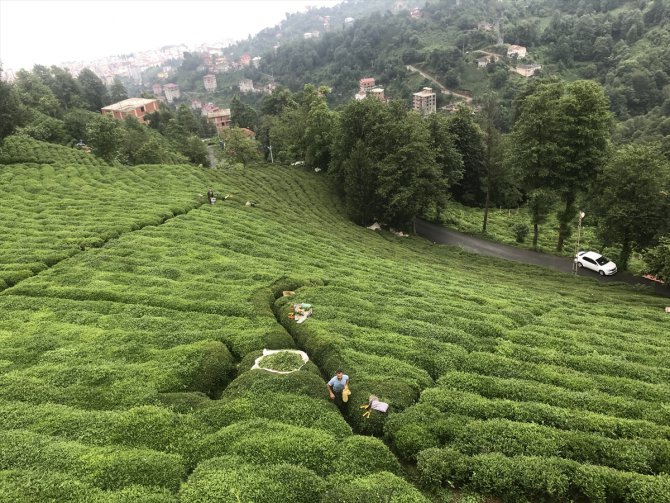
602, 260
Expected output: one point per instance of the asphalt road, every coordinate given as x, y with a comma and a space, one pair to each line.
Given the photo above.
441, 235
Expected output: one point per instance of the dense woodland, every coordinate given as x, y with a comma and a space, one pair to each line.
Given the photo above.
590, 131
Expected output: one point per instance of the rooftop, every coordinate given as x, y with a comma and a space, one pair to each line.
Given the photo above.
128, 105
221, 113
425, 92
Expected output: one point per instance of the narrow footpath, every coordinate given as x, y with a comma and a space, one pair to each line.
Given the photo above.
472, 244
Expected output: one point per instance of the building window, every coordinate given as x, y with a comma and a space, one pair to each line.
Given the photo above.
142, 109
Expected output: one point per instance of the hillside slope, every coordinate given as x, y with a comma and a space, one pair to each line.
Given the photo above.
125, 369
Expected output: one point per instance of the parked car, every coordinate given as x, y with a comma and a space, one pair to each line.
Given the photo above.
595, 262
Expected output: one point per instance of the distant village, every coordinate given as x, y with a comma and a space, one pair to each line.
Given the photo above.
215, 62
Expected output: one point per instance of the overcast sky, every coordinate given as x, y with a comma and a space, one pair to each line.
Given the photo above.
50, 32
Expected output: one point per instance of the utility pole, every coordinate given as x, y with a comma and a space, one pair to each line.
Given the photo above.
579, 232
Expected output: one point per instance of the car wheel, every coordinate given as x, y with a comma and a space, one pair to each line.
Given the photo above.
580, 265
601, 272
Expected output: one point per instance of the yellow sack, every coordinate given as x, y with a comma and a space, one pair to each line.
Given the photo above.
345, 393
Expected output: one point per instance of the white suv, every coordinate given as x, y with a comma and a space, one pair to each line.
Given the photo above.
595, 262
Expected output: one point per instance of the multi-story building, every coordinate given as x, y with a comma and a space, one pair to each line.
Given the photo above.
246, 86
425, 101
210, 82
137, 107
157, 89
527, 70
220, 119
208, 108
366, 84
377, 93
171, 92
516, 50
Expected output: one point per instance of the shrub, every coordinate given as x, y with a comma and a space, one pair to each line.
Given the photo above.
288, 408
204, 366
185, 402
380, 487
104, 467
522, 478
520, 231
397, 394
229, 479
358, 455
257, 381
270, 442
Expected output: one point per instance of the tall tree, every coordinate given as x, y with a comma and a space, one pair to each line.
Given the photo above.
493, 165
448, 157
187, 120
560, 141
318, 132
532, 147
469, 141
243, 115
66, 88
583, 140
410, 179
11, 113
360, 182
117, 91
93, 90
633, 198
105, 136
33, 93
240, 147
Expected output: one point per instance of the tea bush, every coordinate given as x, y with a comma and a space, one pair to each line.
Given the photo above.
47, 485
230, 479
104, 467
376, 488
132, 313
18, 149
263, 441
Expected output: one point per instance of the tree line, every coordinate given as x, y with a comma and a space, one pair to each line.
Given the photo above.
49, 104
390, 164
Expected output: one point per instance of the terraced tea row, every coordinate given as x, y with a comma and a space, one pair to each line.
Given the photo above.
146, 330
52, 212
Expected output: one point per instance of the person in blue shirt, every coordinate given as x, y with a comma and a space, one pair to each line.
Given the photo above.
336, 386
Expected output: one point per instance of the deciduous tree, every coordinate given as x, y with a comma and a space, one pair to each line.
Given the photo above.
117, 91
93, 90
633, 198
105, 137
240, 147
11, 114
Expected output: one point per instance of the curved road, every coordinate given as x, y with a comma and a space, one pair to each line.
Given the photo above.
441, 235
444, 90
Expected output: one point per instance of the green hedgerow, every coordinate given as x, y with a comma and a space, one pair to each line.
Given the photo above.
358, 455
289, 408
262, 441
230, 479
380, 487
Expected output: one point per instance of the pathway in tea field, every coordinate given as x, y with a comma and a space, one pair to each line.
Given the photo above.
472, 244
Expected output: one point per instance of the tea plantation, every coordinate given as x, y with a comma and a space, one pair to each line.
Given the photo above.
131, 314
